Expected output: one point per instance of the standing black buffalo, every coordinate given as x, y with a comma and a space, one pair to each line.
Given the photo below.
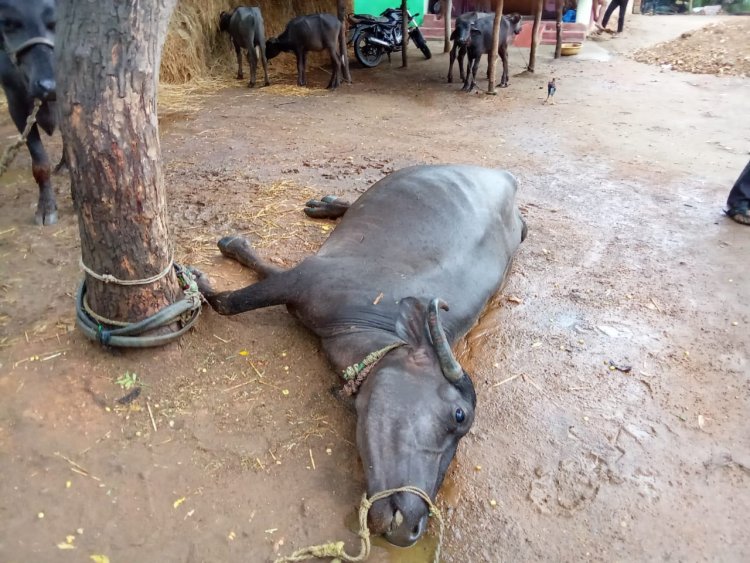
480, 43
315, 32
460, 38
27, 33
245, 27
416, 237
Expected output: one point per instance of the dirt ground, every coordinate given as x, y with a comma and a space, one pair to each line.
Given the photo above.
236, 449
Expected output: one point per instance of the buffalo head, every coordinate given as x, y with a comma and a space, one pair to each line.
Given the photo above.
224, 19
412, 411
516, 23
27, 34
273, 48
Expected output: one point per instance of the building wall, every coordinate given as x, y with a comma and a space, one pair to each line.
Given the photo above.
375, 7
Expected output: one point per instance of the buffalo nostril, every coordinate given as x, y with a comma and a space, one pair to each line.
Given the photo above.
46, 86
415, 530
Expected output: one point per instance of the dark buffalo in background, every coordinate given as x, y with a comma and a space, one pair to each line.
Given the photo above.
480, 43
417, 237
315, 32
27, 34
245, 27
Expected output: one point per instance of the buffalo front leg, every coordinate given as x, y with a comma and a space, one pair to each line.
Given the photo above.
301, 63
452, 60
461, 56
328, 207
46, 209
504, 77
238, 52
265, 293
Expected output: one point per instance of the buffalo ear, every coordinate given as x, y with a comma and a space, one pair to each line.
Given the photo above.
411, 321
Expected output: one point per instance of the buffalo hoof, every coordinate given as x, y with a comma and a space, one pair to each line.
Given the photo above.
232, 246
201, 280
450, 80
741, 217
240, 77
45, 215
267, 83
251, 84
328, 207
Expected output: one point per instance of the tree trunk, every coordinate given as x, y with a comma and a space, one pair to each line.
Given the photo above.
558, 27
108, 54
447, 8
341, 9
495, 46
535, 35
405, 32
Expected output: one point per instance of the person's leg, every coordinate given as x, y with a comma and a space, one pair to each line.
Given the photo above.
621, 15
738, 201
608, 13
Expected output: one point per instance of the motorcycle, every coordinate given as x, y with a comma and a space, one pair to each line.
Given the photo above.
374, 37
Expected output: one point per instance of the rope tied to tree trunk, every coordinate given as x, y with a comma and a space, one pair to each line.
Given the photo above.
107, 278
9, 154
336, 550
130, 335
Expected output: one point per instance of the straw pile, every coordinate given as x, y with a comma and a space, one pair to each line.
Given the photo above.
195, 49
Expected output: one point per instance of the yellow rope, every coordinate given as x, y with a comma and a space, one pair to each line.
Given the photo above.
10, 153
336, 550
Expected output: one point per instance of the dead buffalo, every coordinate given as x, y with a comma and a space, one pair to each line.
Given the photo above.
27, 73
416, 240
316, 32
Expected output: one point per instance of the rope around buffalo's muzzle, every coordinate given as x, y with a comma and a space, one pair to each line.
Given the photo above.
336, 551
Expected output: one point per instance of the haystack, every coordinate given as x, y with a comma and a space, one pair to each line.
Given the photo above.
195, 49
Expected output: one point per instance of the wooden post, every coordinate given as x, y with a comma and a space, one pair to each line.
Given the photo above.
341, 9
558, 27
108, 54
535, 35
447, 9
405, 32
495, 46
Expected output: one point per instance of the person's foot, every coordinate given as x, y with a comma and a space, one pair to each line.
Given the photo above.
739, 215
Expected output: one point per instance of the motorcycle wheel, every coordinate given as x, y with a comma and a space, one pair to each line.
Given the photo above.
367, 54
420, 42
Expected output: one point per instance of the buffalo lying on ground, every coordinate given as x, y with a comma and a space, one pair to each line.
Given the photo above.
416, 240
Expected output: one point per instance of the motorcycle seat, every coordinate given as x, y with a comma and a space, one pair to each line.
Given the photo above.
366, 18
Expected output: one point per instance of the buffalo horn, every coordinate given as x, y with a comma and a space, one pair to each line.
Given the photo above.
451, 368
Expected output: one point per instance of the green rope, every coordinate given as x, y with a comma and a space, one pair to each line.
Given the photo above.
12, 150
354, 370
336, 550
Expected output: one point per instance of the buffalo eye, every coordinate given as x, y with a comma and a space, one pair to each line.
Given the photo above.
10, 25
459, 415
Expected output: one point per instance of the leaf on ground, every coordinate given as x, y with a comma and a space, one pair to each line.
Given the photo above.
178, 502
99, 558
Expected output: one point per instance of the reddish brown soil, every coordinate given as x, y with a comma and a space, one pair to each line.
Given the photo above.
629, 260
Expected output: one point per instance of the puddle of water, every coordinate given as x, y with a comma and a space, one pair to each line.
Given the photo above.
421, 552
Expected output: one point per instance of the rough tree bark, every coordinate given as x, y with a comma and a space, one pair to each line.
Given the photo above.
447, 9
108, 54
558, 28
341, 9
405, 32
495, 46
535, 35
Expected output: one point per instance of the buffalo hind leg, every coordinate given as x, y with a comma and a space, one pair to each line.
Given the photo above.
274, 289
239, 249
504, 57
238, 51
333, 50
328, 207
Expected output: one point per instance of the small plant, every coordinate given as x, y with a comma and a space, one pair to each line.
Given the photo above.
128, 380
